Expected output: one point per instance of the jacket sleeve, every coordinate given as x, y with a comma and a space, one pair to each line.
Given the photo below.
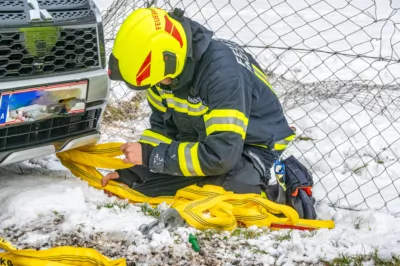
229, 103
160, 131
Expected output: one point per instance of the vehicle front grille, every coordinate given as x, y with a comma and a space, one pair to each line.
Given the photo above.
15, 16
13, 12
47, 50
64, 4
61, 15
11, 5
58, 16
23, 135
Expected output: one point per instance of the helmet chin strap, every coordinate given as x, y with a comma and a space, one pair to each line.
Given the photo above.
174, 83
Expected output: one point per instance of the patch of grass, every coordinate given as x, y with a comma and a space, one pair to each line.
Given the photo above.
248, 233
281, 238
113, 113
343, 260
256, 250
357, 223
209, 233
237, 232
308, 234
58, 214
59, 217
124, 110
303, 138
378, 159
360, 260
395, 261
147, 209
111, 204
178, 239
357, 170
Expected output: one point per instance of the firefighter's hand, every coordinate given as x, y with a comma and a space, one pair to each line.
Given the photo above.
108, 177
133, 153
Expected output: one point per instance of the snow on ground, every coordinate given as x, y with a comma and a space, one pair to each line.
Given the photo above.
351, 144
47, 207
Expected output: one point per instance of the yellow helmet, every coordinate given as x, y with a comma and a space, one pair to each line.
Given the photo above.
150, 46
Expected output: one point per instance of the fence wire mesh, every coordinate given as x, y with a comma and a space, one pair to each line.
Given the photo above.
335, 66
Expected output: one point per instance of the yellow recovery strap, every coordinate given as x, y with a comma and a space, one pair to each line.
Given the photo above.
59, 256
204, 207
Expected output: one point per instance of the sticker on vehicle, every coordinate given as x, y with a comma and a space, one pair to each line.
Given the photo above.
43, 102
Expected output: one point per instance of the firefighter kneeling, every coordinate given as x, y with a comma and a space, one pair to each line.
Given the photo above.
215, 117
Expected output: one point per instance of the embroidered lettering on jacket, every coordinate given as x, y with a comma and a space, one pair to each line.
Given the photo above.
194, 99
166, 91
239, 52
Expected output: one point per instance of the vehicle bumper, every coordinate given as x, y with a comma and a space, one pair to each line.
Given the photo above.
9, 157
98, 89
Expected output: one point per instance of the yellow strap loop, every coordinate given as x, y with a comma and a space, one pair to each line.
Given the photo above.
202, 207
59, 256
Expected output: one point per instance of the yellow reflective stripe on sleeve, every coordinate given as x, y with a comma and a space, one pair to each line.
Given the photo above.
291, 137
282, 144
259, 145
152, 143
227, 113
189, 159
175, 103
181, 105
155, 100
261, 75
197, 111
263, 195
153, 138
280, 147
155, 95
182, 158
194, 152
226, 120
225, 128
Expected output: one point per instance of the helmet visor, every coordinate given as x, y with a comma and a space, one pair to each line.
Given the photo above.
115, 74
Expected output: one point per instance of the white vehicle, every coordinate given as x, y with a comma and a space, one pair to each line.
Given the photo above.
49, 45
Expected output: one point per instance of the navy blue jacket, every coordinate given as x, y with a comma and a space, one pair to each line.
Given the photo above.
220, 107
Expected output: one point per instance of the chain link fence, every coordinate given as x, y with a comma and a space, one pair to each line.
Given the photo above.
336, 68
